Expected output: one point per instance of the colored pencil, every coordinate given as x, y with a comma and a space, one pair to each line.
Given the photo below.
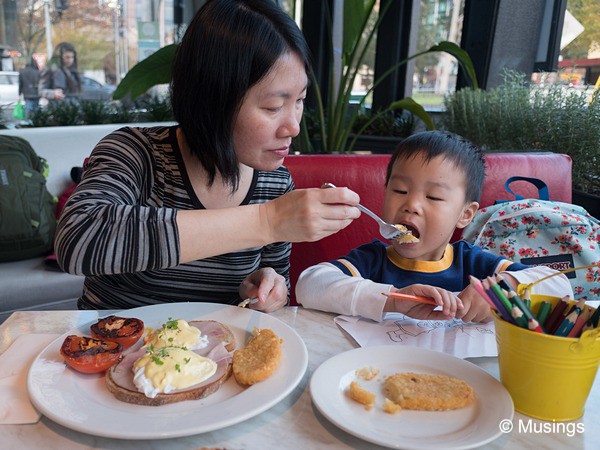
534, 325
584, 315
519, 317
561, 319
542, 314
516, 300
498, 291
568, 323
592, 321
513, 297
476, 283
412, 298
504, 312
556, 314
494, 303
580, 304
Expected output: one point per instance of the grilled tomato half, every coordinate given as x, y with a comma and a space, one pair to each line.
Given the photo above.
88, 355
125, 331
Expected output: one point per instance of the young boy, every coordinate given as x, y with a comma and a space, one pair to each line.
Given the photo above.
433, 185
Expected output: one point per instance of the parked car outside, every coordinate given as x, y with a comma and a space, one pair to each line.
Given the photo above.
94, 90
9, 88
91, 89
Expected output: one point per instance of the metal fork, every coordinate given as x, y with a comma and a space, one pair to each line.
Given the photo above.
387, 230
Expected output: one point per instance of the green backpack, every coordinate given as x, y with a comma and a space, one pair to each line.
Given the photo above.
27, 218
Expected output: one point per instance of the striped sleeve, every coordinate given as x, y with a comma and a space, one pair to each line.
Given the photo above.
113, 222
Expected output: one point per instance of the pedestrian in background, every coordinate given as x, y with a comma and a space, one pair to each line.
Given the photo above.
29, 78
60, 80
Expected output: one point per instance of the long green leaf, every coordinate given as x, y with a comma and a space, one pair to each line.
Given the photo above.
406, 103
462, 57
409, 104
155, 69
356, 14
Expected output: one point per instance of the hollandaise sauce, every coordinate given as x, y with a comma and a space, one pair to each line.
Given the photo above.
165, 369
177, 333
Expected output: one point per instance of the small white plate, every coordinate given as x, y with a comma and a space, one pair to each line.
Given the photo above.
83, 403
463, 428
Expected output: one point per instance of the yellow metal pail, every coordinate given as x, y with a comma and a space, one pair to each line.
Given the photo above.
548, 377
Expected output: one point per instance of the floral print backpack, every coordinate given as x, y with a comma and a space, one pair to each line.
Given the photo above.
533, 232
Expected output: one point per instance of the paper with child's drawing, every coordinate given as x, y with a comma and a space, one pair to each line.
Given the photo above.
455, 337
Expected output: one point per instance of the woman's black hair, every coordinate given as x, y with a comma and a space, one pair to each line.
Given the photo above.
465, 155
229, 46
59, 51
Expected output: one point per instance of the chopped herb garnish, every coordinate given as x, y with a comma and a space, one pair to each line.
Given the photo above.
187, 360
177, 368
157, 361
171, 324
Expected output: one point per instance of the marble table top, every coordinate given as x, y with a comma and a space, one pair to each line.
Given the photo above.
294, 423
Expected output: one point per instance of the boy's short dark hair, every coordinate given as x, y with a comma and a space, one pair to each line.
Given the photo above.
465, 155
229, 46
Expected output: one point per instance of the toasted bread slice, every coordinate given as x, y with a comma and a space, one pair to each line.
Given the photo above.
119, 378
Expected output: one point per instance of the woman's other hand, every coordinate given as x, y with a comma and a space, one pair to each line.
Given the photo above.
266, 285
310, 214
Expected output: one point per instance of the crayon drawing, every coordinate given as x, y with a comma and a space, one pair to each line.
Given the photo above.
453, 336
408, 328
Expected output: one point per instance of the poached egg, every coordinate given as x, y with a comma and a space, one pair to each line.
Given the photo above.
167, 369
176, 333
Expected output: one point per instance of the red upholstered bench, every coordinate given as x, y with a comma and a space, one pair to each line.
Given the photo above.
365, 174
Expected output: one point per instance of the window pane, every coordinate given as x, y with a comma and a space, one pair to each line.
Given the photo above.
435, 73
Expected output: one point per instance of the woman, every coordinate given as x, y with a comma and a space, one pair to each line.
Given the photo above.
204, 211
60, 79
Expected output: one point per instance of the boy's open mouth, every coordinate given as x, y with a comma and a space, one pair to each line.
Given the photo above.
412, 230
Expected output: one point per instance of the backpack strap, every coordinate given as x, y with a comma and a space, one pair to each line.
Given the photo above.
542, 188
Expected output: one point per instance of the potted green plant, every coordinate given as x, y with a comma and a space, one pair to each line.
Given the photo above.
334, 117
383, 134
519, 116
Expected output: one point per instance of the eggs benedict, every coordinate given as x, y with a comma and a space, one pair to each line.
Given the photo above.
175, 364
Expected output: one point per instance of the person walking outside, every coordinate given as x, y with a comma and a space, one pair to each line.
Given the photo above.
60, 79
29, 78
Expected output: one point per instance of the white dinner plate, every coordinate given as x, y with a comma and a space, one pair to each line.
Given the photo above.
83, 403
463, 428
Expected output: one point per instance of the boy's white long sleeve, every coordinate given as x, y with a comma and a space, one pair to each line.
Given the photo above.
558, 286
327, 288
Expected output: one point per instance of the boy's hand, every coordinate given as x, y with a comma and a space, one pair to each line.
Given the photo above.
476, 309
449, 302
